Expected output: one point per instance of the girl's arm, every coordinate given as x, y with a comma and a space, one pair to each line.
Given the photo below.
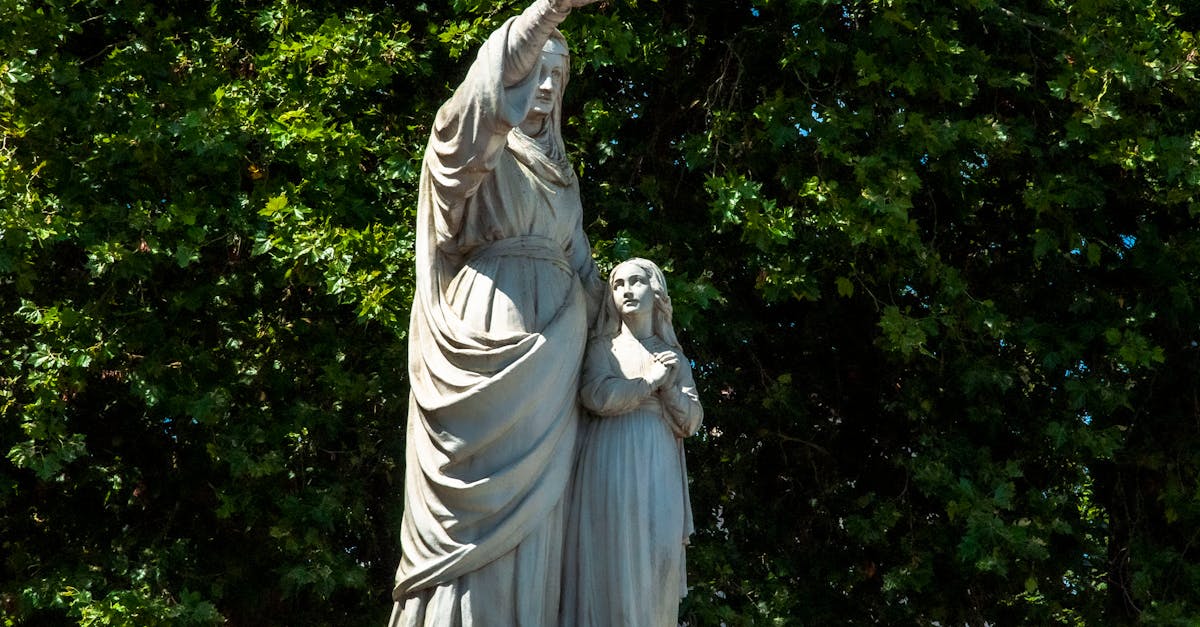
606, 391
682, 401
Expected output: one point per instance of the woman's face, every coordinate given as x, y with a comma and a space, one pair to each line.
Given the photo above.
631, 290
549, 83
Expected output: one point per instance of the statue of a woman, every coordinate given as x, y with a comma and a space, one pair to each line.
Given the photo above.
504, 278
630, 516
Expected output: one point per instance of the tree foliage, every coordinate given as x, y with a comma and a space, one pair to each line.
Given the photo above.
936, 263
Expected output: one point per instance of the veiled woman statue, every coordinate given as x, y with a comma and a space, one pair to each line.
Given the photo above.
630, 515
496, 339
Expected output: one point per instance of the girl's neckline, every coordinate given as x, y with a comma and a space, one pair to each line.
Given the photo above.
648, 343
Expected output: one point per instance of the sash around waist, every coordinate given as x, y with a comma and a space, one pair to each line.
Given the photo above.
523, 246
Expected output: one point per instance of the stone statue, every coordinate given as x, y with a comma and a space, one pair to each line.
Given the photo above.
505, 284
630, 516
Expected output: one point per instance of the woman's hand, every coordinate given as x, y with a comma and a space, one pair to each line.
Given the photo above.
567, 5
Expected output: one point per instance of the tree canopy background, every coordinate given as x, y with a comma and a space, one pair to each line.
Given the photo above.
937, 264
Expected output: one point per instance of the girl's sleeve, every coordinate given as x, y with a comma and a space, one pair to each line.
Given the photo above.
683, 401
605, 391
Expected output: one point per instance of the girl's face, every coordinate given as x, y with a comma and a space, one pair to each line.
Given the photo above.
631, 291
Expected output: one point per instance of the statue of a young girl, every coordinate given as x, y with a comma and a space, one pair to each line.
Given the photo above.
629, 513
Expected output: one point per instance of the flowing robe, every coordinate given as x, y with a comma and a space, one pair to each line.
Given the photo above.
496, 339
630, 515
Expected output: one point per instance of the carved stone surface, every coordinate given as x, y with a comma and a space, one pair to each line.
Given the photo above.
629, 515
504, 285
